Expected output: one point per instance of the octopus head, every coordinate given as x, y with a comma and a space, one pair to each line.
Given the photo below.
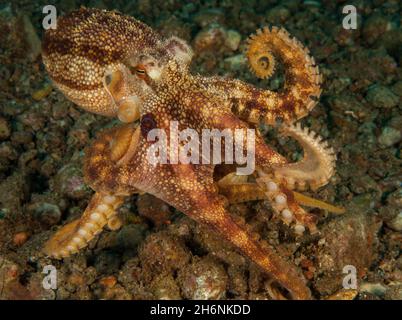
131, 83
153, 65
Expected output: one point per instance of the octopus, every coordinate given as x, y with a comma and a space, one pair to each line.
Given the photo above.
113, 65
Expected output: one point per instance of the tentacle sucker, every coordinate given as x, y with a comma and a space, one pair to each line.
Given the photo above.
124, 144
284, 204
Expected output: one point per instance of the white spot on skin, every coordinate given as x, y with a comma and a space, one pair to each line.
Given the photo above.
154, 73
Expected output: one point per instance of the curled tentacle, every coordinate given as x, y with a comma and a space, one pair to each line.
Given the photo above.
77, 234
262, 63
302, 78
317, 165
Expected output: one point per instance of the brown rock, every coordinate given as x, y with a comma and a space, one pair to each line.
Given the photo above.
203, 279
161, 252
350, 239
4, 129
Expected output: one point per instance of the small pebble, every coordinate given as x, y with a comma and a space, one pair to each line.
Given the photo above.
204, 279
21, 137
375, 26
20, 238
7, 151
211, 38
42, 93
278, 15
70, 182
76, 279
389, 136
108, 282
31, 38
377, 289
4, 129
161, 252
236, 63
396, 223
47, 214
232, 40
382, 97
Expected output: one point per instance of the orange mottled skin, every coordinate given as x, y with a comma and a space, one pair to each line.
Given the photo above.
90, 41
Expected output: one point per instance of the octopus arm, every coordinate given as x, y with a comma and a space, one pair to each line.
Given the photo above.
260, 252
77, 234
302, 80
302, 77
191, 189
317, 165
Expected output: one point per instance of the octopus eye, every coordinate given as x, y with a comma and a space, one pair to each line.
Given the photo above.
139, 71
148, 123
108, 79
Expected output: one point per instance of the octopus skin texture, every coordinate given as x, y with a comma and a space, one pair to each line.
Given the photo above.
114, 65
